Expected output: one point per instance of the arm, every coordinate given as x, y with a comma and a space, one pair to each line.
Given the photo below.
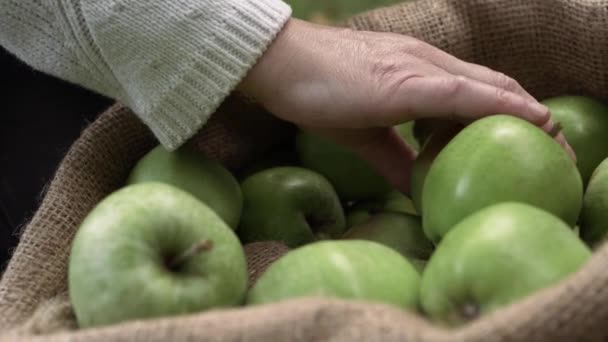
172, 62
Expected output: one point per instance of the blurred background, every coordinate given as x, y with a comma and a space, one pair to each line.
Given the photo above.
328, 11
40, 117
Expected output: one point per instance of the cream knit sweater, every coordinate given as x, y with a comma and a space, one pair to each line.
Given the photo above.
171, 61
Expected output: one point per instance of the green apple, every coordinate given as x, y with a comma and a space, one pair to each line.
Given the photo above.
290, 204
355, 269
496, 256
594, 217
500, 158
406, 131
357, 216
352, 177
396, 201
190, 171
435, 142
584, 122
152, 250
392, 201
401, 232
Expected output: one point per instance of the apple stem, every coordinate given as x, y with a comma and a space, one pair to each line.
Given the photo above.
197, 248
555, 130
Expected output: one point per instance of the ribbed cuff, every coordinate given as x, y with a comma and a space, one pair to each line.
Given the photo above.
220, 65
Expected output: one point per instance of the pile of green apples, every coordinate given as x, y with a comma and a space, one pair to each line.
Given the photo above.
498, 211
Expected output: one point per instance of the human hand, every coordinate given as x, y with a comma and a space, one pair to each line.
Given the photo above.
352, 87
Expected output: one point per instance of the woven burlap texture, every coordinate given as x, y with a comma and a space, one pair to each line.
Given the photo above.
551, 47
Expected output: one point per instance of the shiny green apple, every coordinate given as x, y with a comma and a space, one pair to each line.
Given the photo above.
495, 257
499, 159
354, 269
584, 122
292, 205
401, 232
435, 142
152, 250
190, 171
594, 217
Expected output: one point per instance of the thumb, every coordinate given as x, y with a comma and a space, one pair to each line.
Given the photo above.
382, 148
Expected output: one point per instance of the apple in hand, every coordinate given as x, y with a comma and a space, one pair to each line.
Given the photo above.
190, 171
594, 217
496, 256
584, 122
292, 205
499, 159
352, 177
401, 232
152, 250
354, 269
435, 142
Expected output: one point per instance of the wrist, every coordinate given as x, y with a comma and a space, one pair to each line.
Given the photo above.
270, 70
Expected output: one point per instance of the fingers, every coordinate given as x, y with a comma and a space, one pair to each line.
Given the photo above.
457, 67
382, 148
464, 99
489, 76
560, 138
390, 156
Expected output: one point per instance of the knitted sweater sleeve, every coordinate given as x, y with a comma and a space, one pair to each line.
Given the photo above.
172, 62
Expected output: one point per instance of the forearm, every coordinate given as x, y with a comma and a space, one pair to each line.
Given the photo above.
172, 62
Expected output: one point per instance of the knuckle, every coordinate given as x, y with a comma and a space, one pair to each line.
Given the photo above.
385, 69
414, 46
451, 86
502, 97
505, 82
392, 75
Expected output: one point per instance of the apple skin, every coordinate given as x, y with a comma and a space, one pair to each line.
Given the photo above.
352, 177
499, 159
292, 205
393, 201
435, 142
357, 216
354, 269
495, 257
401, 232
119, 263
584, 123
594, 217
190, 171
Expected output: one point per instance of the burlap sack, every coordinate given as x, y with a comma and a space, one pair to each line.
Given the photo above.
551, 46
260, 255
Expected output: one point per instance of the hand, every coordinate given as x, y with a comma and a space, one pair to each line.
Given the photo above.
352, 87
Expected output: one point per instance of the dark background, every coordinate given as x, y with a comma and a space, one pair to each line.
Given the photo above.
40, 117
